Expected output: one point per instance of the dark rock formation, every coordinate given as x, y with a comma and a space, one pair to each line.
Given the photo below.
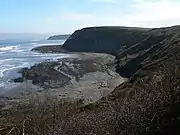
59, 73
131, 46
104, 39
49, 49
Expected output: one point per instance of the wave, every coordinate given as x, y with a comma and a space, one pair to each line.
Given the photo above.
45, 44
10, 68
8, 48
33, 43
5, 60
35, 40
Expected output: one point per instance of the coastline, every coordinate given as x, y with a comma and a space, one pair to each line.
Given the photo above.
84, 76
50, 49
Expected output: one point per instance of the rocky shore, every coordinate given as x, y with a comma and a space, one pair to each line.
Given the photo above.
50, 49
85, 76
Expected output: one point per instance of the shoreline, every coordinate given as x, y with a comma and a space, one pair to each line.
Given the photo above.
49, 49
87, 77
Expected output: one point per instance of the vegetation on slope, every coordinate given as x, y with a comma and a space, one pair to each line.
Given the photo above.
133, 108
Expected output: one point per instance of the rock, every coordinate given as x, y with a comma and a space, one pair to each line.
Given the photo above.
17, 80
65, 71
103, 39
50, 49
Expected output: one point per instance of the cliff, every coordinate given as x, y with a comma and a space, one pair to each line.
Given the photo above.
149, 102
103, 39
131, 46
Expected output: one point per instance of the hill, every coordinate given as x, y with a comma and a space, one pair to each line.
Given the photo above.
59, 37
149, 102
103, 39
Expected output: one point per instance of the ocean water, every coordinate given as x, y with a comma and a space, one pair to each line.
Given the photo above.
15, 54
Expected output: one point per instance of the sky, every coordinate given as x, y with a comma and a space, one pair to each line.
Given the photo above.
66, 16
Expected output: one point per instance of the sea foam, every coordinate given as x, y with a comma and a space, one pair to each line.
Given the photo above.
7, 48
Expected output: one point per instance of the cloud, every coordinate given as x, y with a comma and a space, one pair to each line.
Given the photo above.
153, 13
138, 13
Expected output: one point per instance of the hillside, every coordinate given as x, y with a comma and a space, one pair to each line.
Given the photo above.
103, 39
148, 103
131, 46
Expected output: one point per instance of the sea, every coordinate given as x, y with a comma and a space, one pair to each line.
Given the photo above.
16, 54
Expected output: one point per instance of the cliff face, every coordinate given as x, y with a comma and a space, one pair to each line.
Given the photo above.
133, 47
104, 39
157, 46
